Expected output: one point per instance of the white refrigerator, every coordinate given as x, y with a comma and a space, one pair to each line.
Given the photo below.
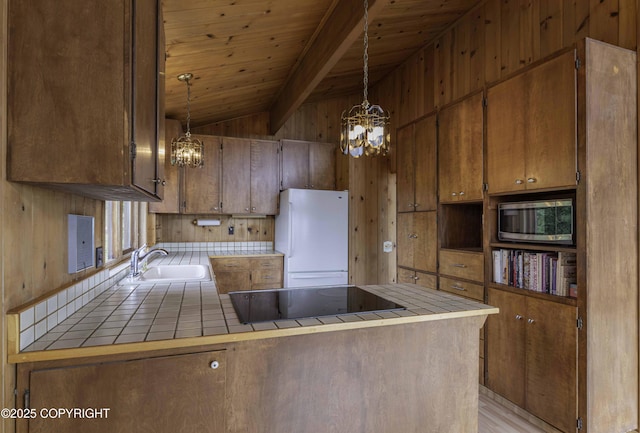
312, 232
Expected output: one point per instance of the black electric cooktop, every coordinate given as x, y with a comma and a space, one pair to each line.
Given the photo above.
269, 305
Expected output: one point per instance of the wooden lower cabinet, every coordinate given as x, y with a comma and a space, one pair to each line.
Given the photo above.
417, 241
531, 359
165, 394
409, 276
247, 273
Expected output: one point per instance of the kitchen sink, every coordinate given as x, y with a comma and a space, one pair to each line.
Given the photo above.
171, 274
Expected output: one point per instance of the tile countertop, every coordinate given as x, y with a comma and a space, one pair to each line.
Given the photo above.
133, 318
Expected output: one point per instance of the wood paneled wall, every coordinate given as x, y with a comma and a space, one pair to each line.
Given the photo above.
180, 228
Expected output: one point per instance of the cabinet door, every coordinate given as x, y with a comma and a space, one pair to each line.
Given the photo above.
202, 185
428, 281
405, 192
232, 281
322, 166
156, 394
236, 175
425, 137
460, 147
551, 362
550, 151
144, 125
264, 177
406, 276
505, 346
295, 164
506, 135
405, 239
425, 245
171, 189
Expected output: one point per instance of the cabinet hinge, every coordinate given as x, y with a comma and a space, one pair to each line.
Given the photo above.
485, 187
27, 399
133, 150
578, 177
579, 323
485, 102
221, 145
578, 63
579, 423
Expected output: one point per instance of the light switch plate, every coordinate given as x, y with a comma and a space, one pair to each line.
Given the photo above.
387, 246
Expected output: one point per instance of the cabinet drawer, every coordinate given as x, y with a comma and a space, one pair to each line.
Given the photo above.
267, 263
259, 276
230, 264
232, 281
462, 264
462, 288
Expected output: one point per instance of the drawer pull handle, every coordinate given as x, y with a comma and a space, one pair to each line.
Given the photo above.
455, 286
459, 265
214, 364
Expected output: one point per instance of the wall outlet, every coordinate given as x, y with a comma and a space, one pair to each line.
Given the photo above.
99, 257
230, 230
387, 246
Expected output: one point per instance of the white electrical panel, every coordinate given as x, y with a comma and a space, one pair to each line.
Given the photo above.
81, 232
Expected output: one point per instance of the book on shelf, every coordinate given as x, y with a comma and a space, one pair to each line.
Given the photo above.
538, 271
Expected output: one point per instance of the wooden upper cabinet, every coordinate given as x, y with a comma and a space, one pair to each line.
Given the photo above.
405, 177
91, 122
249, 176
531, 128
236, 175
202, 185
264, 177
307, 164
171, 173
460, 150
416, 166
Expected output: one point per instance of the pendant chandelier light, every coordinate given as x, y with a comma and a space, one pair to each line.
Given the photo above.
365, 127
185, 150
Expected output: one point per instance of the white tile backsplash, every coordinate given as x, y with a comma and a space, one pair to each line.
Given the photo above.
37, 320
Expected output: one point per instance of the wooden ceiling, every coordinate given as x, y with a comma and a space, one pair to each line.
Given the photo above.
250, 56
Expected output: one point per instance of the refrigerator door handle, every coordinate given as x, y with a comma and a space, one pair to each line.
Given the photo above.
290, 249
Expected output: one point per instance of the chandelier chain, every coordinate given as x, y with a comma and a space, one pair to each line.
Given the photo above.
188, 134
366, 54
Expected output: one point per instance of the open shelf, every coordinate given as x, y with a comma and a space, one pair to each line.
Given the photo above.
460, 226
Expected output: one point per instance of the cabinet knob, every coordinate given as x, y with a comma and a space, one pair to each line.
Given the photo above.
453, 194
518, 181
518, 317
531, 180
411, 205
312, 185
461, 193
215, 208
416, 205
246, 208
253, 208
530, 321
416, 278
160, 181
214, 364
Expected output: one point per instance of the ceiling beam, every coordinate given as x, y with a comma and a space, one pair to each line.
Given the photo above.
343, 27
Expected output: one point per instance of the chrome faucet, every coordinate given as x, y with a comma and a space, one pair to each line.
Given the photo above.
139, 256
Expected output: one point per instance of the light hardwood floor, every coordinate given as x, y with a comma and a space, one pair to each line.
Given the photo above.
495, 418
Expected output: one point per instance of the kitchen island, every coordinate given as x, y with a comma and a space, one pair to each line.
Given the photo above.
412, 370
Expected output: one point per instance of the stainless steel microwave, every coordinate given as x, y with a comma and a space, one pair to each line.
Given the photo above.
544, 221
